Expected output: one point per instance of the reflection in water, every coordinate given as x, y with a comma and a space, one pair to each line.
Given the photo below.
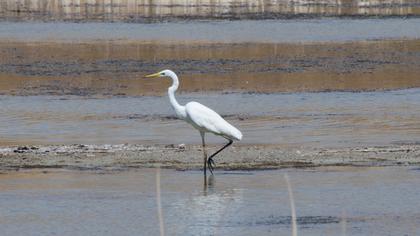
141, 10
208, 184
124, 203
209, 209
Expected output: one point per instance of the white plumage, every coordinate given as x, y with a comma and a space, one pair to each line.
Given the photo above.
200, 117
207, 120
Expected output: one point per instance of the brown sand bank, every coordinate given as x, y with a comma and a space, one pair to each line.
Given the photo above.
190, 157
116, 68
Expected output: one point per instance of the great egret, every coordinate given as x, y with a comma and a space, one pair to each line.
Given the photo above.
200, 117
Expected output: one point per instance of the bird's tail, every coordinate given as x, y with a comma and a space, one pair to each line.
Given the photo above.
236, 134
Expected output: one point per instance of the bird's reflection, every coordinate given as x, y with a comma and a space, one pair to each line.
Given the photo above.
207, 210
209, 184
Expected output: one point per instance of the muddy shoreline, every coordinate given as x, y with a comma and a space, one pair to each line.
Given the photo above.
189, 157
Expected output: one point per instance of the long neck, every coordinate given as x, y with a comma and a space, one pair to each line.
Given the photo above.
180, 110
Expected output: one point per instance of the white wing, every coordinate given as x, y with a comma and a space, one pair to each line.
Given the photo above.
207, 120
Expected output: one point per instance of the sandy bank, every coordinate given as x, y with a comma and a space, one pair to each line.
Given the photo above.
190, 157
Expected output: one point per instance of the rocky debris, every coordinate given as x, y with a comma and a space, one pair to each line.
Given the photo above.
75, 148
181, 147
24, 149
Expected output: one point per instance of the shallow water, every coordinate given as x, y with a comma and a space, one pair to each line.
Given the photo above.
329, 201
292, 119
102, 63
272, 31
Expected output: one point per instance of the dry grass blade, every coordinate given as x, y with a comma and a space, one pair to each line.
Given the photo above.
292, 205
159, 204
343, 223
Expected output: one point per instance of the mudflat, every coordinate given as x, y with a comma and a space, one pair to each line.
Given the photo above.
116, 69
183, 157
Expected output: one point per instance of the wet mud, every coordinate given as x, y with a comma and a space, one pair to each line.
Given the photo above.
116, 69
189, 157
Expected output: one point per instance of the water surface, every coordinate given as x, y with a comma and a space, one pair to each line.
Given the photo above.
292, 119
329, 201
273, 31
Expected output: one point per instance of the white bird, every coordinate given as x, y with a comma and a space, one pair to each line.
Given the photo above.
200, 117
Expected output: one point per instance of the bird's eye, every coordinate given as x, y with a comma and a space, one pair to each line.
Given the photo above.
162, 73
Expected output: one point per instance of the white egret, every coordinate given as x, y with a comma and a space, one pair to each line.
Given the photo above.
200, 117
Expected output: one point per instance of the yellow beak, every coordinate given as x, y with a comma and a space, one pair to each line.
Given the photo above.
153, 75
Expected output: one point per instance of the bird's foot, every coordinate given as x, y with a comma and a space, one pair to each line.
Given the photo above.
210, 164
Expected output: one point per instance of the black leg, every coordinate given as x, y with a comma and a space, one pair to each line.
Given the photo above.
210, 161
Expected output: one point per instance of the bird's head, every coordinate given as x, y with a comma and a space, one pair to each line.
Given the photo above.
163, 73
